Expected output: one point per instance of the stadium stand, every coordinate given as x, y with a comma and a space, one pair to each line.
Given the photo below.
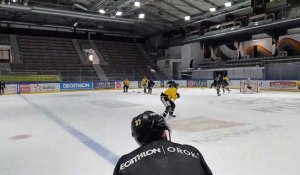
124, 60
43, 54
4, 40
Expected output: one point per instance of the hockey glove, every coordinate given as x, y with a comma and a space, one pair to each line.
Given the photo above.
178, 95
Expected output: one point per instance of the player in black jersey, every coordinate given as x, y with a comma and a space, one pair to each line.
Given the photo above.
157, 154
150, 86
217, 84
2, 86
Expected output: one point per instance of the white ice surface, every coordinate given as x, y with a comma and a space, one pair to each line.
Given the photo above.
266, 143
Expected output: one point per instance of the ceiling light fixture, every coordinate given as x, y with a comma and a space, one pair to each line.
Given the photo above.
102, 11
75, 24
119, 13
187, 18
227, 4
213, 9
142, 15
137, 4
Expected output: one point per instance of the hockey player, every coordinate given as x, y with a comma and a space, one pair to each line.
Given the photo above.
217, 84
157, 155
169, 83
225, 84
145, 83
126, 85
248, 84
2, 86
150, 86
168, 97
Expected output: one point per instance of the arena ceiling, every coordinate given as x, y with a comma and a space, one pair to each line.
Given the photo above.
160, 15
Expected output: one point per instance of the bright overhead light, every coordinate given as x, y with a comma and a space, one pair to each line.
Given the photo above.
101, 11
227, 4
137, 4
75, 24
119, 13
187, 18
255, 40
14, 0
213, 9
256, 23
91, 57
142, 15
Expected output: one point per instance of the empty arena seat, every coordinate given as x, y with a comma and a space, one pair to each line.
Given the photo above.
41, 54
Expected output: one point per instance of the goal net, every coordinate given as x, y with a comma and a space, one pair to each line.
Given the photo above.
249, 86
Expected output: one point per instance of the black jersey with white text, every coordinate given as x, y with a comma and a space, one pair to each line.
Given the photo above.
163, 158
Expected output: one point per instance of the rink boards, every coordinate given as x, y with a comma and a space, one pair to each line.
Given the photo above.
23, 88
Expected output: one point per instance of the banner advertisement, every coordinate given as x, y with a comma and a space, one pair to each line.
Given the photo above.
104, 85
132, 84
119, 84
11, 89
158, 84
76, 86
283, 85
24, 88
45, 87
197, 83
182, 83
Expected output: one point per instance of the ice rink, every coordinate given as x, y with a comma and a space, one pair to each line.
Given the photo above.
84, 133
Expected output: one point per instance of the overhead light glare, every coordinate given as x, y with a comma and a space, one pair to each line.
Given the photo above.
213, 9
102, 11
91, 57
187, 18
119, 13
227, 4
75, 24
255, 40
137, 4
14, 0
256, 23
142, 16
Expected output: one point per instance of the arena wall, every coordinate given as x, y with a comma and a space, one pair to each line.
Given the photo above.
24, 88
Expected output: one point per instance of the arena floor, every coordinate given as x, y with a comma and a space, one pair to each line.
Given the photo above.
84, 133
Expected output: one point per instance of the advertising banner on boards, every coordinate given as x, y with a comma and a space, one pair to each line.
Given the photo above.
197, 83
104, 85
24, 88
11, 89
45, 87
76, 86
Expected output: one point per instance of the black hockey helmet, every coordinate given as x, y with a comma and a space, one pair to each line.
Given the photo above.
170, 83
175, 85
148, 127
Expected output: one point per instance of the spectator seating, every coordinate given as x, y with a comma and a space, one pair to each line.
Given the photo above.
40, 54
125, 60
4, 39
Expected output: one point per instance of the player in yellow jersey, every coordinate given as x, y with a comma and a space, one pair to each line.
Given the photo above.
126, 85
145, 83
225, 84
298, 85
168, 97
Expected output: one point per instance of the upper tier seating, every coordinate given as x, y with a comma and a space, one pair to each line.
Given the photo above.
4, 40
125, 60
40, 54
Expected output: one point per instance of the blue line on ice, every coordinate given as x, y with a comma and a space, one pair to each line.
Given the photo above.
92, 144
